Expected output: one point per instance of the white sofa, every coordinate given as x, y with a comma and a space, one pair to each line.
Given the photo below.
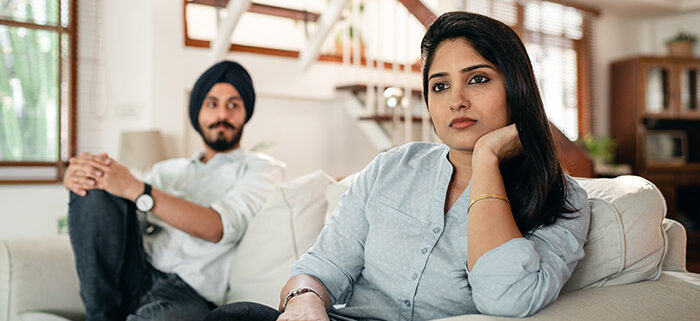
634, 267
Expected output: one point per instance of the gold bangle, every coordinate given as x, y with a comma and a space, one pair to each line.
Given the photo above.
487, 196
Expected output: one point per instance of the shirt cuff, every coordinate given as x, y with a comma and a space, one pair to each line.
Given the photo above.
228, 229
326, 272
505, 263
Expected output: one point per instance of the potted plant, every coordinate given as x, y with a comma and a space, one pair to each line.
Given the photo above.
602, 151
681, 45
351, 34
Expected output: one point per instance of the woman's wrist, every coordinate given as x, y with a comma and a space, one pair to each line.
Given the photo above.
484, 158
308, 299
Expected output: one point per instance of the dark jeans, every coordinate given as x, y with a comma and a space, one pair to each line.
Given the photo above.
250, 311
243, 311
116, 280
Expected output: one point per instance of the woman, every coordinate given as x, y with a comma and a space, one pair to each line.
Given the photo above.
486, 223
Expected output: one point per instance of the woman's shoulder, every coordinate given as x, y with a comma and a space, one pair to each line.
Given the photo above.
413, 152
575, 194
575, 223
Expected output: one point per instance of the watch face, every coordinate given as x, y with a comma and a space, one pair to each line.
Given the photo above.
144, 203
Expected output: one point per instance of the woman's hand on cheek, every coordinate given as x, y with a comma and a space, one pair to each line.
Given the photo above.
502, 143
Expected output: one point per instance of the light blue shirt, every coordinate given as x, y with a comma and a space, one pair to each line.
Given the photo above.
391, 253
235, 184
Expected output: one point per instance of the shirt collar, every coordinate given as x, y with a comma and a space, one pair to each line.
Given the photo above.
236, 153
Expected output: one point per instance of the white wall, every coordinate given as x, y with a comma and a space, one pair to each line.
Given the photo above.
31, 210
663, 28
616, 37
115, 56
309, 135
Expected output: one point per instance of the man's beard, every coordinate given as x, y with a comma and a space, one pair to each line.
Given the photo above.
220, 144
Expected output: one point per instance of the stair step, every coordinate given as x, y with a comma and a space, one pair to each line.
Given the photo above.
295, 14
387, 118
359, 88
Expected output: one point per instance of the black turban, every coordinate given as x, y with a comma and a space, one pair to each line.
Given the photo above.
227, 72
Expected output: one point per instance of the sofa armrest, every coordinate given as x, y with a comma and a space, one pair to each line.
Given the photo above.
676, 239
38, 274
674, 296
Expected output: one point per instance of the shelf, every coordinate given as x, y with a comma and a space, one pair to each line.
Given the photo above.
693, 167
357, 88
387, 118
670, 116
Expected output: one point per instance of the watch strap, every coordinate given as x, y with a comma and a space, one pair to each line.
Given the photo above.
147, 189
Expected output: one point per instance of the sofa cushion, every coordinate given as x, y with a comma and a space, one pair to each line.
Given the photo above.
38, 274
625, 240
673, 296
276, 237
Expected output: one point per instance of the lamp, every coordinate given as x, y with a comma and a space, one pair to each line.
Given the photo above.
393, 96
141, 149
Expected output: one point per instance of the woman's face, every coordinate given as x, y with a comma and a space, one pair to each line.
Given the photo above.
466, 95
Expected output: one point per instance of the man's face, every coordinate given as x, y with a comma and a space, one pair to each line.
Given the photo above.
222, 117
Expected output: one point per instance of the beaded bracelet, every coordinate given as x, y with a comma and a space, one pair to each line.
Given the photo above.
487, 196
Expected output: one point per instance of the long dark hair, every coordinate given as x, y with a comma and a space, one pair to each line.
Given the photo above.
534, 180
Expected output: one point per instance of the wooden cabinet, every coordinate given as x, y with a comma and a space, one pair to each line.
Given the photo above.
656, 98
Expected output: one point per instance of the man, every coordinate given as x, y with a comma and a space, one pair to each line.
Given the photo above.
199, 209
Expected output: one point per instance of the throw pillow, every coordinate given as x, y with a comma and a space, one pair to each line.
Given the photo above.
625, 242
286, 226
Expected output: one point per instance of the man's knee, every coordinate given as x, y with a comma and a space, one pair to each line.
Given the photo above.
94, 197
95, 208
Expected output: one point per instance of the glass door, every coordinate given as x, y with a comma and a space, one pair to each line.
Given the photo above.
690, 90
657, 90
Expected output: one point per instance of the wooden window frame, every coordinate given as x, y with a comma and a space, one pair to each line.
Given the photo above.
582, 47
270, 10
72, 31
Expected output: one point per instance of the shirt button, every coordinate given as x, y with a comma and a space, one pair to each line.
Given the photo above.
414, 276
436, 230
407, 303
424, 250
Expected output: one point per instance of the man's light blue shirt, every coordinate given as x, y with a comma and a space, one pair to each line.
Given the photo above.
392, 253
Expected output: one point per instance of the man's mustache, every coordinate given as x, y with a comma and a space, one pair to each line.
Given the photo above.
223, 122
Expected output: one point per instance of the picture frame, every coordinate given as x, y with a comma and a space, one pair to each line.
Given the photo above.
666, 147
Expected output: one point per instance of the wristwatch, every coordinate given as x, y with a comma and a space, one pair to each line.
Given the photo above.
144, 202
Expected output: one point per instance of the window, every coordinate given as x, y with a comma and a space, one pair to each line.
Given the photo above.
557, 39
37, 88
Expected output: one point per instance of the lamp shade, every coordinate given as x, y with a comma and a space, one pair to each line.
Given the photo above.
141, 149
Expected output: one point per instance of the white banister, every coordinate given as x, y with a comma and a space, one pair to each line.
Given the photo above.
234, 10
325, 23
